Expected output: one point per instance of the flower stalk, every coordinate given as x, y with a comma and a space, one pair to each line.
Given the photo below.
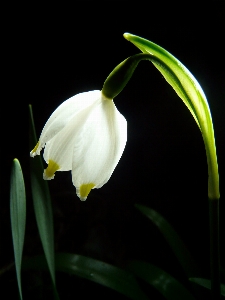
189, 90
214, 248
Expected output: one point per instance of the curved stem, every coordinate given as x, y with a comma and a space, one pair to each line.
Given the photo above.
214, 248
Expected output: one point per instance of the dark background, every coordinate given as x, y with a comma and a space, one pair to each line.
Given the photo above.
51, 54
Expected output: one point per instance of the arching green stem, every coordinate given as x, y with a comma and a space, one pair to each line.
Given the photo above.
189, 90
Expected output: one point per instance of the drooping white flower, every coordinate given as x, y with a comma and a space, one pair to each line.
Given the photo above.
85, 134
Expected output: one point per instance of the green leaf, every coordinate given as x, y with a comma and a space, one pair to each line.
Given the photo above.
189, 90
207, 284
100, 272
18, 216
179, 249
42, 203
97, 271
167, 285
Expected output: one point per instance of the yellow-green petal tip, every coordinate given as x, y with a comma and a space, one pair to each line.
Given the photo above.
84, 190
49, 173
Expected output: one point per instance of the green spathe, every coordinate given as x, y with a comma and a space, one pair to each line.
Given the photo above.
119, 77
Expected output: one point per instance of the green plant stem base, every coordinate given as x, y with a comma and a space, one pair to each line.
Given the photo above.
214, 248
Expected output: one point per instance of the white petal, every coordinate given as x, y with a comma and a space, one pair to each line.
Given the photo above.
60, 148
63, 114
103, 141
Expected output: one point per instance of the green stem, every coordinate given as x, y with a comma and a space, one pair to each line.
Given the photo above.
214, 248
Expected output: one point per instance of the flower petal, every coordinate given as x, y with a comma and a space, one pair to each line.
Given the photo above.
62, 115
104, 137
60, 148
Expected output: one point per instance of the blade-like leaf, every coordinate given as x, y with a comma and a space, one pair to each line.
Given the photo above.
207, 284
189, 90
167, 285
18, 216
42, 203
179, 249
97, 271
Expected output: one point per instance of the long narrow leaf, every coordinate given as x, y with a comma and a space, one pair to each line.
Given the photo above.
189, 90
91, 269
182, 254
18, 216
206, 283
167, 285
42, 203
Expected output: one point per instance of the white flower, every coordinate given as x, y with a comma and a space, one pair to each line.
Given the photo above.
85, 134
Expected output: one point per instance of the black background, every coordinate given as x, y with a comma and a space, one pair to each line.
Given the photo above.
51, 54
